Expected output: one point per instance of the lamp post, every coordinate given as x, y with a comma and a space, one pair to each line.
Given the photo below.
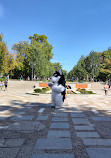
92, 65
32, 67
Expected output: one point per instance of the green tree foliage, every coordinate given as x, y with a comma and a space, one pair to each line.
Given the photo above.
21, 53
93, 64
105, 62
5, 57
65, 73
40, 41
40, 53
57, 66
78, 71
21, 59
34, 56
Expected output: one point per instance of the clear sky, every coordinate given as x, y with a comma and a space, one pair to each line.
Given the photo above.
73, 27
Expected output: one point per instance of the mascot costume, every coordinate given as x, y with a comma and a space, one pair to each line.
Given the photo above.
58, 89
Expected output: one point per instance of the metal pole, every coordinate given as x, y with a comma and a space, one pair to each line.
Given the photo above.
93, 73
32, 71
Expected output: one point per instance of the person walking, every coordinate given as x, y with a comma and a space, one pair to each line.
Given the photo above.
6, 84
106, 89
1, 85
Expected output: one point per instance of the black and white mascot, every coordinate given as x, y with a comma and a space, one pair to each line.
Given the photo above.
58, 89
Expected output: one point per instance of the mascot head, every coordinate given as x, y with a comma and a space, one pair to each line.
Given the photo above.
58, 78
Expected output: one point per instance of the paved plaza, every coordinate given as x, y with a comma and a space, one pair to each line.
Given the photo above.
30, 128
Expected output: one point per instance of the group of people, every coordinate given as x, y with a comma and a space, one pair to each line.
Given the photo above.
4, 84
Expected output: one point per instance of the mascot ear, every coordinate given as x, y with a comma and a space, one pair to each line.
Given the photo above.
60, 71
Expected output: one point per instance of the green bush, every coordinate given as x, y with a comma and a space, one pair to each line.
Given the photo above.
83, 91
38, 90
79, 89
90, 92
43, 90
47, 88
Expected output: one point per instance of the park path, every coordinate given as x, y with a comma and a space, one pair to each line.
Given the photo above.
30, 128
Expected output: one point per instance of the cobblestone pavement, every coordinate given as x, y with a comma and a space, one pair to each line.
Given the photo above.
30, 128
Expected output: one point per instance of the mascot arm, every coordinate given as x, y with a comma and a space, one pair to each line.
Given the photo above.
50, 85
58, 88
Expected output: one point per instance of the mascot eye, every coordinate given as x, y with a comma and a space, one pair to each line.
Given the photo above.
55, 75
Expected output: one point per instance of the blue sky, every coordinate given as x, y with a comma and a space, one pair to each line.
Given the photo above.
73, 27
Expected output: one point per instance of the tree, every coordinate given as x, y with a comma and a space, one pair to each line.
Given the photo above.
65, 73
41, 42
93, 64
105, 65
79, 71
21, 59
4, 57
40, 54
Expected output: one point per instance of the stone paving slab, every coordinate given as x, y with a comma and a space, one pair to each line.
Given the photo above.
43, 117
61, 134
14, 142
86, 128
99, 152
66, 155
101, 118
53, 143
9, 152
58, 119
87, 134
61, 114
3, 118
59, 125
78, 115
26, 117
81, 121
2, 108
76, 111
60, 110
2, 141
23, 109
18, 112
105, 142
26, 126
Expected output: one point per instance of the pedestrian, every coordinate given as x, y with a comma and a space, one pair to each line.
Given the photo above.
8, 77
1, 85
109, 84
6, 84
106, 89
28, 78
21, 78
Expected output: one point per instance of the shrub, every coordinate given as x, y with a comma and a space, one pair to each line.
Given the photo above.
79, 89
83, 92
83, 89
43, 90
90, 92
38, 90
47, 88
